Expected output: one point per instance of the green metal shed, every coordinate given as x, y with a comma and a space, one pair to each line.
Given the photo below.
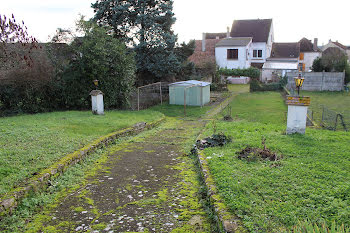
197, 93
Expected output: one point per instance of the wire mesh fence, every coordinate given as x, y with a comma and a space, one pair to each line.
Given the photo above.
149, 95
330, 119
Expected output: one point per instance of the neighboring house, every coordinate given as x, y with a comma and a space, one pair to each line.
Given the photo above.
336, 44
204, 52
233, 52
308, 53
284, 58
261, 30
248, 44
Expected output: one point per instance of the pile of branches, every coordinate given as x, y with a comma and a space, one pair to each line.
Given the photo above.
251, 154
213, 141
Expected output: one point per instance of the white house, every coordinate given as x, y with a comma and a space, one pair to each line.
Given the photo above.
245, 53
308, 53
284, 58
233, 52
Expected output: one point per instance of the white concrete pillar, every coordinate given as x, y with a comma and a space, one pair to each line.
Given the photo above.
297, 114
97, 102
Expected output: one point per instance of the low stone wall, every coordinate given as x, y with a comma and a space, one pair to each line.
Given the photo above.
9, 201
238, 80
318, 81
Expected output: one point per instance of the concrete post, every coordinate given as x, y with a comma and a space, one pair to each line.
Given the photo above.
97, 102
297, 114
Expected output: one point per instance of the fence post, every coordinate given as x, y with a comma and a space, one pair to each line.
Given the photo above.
138, 99
161, 94
322, 114
323, 73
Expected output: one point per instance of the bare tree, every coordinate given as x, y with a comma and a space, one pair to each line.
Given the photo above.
12, 32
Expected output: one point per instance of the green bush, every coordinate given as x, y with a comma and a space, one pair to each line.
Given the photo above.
251, 72
255, 85
99, 56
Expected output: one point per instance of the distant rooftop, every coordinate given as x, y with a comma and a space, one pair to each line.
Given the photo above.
235, 41
258, 29
285, 50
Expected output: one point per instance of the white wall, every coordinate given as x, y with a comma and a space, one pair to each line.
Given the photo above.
270, 41
222, 61
309, 58
258, 46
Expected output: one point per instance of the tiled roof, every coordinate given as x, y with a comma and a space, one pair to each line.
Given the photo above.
339, 45
235, 41
306, 45
219, 35
285, 50
200, 58
259, 29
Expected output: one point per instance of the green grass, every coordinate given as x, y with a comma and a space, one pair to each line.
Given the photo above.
312, 181
178, 110
265, 107
336, 101
238, 88
30, 143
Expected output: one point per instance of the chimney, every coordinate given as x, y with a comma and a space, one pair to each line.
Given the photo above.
228, 32
203, 41
315, 44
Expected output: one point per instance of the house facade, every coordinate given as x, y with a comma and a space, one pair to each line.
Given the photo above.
248, 44
308, 53
284, 57
336, 44
233, 53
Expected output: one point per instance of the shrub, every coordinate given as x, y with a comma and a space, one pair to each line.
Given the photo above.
255, 85
29, 89
251, 72
103, 57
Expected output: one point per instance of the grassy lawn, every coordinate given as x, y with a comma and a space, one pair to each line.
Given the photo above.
171, 110
265, 107
336, 101
238, 88
30, 143
312, 181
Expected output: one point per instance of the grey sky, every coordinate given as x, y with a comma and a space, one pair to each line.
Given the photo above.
292, 19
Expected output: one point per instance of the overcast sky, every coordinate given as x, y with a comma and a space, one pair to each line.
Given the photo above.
292, 19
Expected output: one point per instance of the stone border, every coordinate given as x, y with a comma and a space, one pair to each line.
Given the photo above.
229, 222
39, 182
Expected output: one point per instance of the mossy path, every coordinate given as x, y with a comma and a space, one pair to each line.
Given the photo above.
144, 185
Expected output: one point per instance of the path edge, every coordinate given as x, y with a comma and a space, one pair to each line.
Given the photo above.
227, 221
40, 182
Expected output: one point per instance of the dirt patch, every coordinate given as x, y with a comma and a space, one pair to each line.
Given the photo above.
252, 154
215, 140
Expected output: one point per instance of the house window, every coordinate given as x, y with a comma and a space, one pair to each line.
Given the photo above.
232, 54
257, 53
